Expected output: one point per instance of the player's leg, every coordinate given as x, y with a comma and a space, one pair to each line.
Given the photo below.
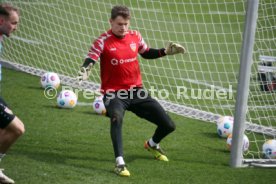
115, 108
10, 134
154, 112
11, 128
149, 109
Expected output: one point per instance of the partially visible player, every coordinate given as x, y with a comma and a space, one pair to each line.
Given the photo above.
121, 83
11, 127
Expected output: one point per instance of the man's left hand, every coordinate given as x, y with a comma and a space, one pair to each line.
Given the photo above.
174, 48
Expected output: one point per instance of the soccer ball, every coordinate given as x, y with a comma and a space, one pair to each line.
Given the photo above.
225, 126
245, 145
269, 149
98, 105
224, 119
50, 79
67, 99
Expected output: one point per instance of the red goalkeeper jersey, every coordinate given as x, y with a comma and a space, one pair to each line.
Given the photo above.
118, 60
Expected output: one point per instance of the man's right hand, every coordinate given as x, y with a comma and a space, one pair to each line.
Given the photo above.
84, 73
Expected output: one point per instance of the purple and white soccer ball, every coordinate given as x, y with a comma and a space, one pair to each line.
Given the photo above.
50, 80
269, 149
224, 119
67, 99
98, 105
225, 126
245, 145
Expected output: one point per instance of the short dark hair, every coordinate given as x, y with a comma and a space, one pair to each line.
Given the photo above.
120, 11
6, 9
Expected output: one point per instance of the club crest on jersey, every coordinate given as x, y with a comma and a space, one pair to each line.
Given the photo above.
133, 47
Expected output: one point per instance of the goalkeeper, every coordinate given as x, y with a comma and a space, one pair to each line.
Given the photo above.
118, 49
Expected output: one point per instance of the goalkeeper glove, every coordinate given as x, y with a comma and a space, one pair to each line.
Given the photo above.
174, 48
85, 70
84, 73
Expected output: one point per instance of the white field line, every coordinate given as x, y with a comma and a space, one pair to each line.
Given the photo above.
32, 42
271, 107
35, 3
226, 13
208, 85
84, 104
263, 107
229, 106
147, 10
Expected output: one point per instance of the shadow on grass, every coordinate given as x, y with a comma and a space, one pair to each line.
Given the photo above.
51, 106
36, 88
133, 157
70, 158
211, 135
92, 113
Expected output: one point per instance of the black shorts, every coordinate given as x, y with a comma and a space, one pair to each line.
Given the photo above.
5, 117
140, 103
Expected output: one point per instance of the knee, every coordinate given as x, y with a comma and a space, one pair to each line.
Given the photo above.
171, 126
19, 129
116, 117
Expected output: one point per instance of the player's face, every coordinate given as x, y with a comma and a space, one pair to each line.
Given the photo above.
9, 24
119, 26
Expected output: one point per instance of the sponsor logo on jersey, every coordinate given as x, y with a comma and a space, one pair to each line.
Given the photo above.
122, 61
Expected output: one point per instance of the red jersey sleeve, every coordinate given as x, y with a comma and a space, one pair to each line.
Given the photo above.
97, 47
